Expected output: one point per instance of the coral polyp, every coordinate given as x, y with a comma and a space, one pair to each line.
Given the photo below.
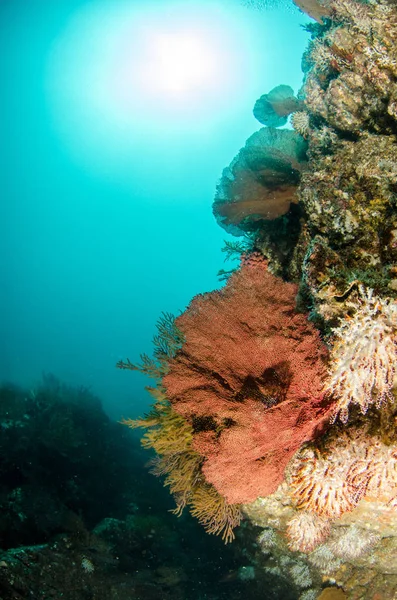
353, 465
301, 123
364, 354
321, 482
305, 531
353, 542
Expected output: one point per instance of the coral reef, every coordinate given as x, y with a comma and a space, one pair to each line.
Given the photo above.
349, 197
318, 208
359, 554
337, 506
356, 90
250, 365
348, 190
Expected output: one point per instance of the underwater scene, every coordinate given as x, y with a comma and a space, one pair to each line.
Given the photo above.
198, 307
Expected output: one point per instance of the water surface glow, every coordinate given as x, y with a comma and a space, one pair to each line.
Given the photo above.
123, 72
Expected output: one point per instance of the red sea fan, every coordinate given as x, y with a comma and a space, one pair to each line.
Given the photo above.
249, 378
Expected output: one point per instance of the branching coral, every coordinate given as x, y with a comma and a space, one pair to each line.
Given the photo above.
170, 435
363, 358
250, 366
214, 512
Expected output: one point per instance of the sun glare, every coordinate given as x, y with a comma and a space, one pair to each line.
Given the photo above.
181, 63
124, 73
121, 58
173, 65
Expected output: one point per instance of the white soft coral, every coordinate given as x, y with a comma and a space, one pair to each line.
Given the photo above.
363, 358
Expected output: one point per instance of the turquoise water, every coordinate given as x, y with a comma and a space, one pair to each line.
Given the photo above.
106, 192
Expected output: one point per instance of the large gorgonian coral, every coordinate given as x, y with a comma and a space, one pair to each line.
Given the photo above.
272, 109
261, 181
363, 357
249, 379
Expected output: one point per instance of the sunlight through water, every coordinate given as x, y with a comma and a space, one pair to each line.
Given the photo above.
122, 72
179, 64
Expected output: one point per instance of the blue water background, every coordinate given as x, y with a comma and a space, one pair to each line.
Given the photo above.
97, 238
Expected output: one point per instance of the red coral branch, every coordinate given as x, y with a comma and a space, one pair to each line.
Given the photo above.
249, 379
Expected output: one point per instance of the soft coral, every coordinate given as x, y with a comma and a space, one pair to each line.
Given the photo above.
249, 379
